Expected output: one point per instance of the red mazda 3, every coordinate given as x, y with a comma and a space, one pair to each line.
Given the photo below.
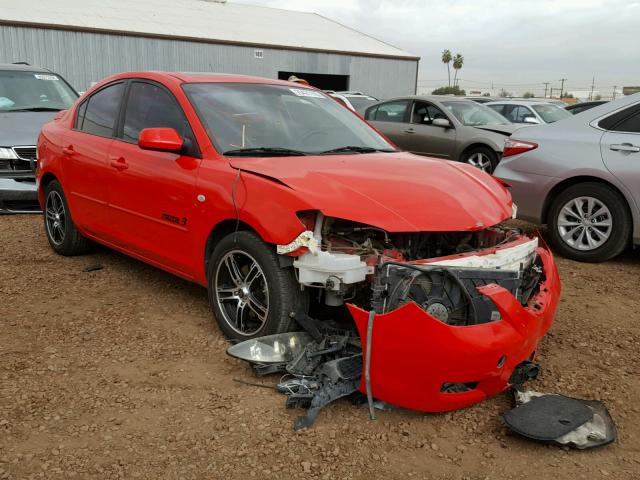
279, 200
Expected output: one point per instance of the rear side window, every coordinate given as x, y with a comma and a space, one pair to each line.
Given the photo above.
391, 112
80, 115
627, 120
631, 124
497, 108
102, 110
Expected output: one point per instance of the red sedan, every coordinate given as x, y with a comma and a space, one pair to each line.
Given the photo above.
279, 200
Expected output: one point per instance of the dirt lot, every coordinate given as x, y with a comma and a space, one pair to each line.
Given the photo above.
121, 373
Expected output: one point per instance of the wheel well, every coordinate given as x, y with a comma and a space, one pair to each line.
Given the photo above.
220, 231
569, 182
47, 178
476, 145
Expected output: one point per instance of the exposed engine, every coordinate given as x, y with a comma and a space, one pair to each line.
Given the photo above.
440, 271
349, 237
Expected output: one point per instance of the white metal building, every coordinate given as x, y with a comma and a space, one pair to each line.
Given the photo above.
88, 40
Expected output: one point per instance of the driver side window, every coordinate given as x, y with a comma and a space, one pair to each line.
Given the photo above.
425, 113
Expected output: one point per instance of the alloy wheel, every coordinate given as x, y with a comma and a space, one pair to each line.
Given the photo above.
242, 292
55, 217
585, 223
480, 161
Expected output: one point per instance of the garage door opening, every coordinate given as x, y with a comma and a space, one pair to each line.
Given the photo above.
320, 80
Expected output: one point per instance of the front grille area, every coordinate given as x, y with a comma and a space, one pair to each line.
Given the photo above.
25, 153
26, 159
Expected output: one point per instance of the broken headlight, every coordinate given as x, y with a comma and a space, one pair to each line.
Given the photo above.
282, 347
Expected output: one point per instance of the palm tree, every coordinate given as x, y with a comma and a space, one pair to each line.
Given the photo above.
446, 58
458, 60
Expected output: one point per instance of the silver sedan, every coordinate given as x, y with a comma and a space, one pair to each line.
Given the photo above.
581, 176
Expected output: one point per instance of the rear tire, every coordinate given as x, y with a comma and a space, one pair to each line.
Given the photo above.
62, 234
483, 158
250, 294
589, 222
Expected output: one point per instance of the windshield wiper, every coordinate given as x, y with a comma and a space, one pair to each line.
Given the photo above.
355, 149
35, 109
263, 152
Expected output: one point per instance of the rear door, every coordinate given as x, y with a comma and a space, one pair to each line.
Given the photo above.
620, 148
86, 148
392, 119
152, 198
424, 138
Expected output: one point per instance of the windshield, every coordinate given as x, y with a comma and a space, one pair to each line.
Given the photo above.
361, 103
279, 120
473, 114
550, 113
20, 90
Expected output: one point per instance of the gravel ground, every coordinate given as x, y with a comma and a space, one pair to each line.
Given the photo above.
121, 373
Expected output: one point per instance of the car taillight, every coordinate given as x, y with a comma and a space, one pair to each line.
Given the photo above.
514, 147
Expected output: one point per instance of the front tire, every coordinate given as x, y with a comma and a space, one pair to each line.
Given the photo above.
589, 222
250, 294
62, 234
483, 158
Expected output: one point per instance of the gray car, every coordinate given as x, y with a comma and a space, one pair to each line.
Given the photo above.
443, 127
529, 111
581, 176
29, 98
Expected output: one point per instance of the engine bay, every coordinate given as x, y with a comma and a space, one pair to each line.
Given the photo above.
345, 261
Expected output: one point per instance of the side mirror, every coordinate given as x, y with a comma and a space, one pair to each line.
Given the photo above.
160, 139
441, 122
532, 120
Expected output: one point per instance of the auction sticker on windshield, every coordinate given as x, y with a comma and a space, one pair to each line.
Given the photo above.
46, 77
304, 92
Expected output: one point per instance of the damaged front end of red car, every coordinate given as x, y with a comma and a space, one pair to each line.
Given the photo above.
443, 319
421, 362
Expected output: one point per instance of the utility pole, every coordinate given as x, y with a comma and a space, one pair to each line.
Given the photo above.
614, 92
546, 84
551, 92
562, 87
593, 81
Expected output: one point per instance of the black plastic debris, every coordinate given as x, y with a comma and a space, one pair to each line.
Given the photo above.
94, 267
560, 420
317, 366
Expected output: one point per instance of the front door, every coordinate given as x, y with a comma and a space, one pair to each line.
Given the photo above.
427, 139
152, 199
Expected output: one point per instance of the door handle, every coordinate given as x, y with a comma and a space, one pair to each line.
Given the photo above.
119, 164
624, 147
409, 130
68, 150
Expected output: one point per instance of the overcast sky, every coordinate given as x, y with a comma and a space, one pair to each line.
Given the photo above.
517, 44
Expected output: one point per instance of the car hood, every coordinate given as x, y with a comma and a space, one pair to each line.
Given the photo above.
502, 129
22, 128
398, 192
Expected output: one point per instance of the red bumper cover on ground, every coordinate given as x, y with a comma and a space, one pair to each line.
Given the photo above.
413, 354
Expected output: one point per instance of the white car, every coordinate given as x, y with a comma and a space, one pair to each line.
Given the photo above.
529, 111
356, 101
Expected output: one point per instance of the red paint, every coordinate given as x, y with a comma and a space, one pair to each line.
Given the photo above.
164, 139
413, 354
160, 206
119, 192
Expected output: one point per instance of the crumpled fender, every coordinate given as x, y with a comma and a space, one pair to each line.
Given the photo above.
413, 354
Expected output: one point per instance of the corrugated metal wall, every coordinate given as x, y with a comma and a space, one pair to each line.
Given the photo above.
83, 58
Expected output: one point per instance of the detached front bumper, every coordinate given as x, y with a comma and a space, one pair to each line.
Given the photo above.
414, 355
